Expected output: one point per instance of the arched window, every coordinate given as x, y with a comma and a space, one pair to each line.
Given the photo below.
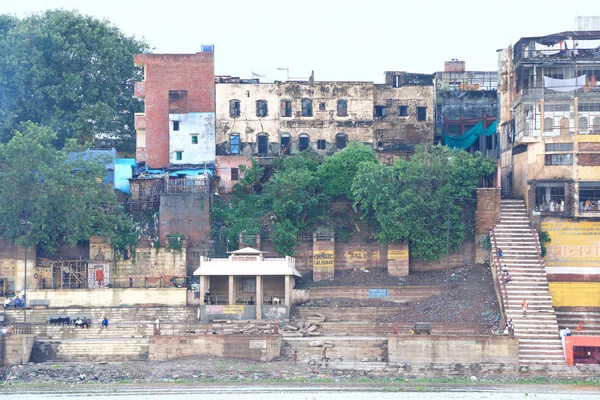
583, 125
342, 108
303, 142
596, 125
548, 124
341, 140
262, 142
262, 108
564, 126
286, 144
234, 143
234, 108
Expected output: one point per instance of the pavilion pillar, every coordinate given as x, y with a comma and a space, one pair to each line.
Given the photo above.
259, 297
202, 289
231, 290
288, 290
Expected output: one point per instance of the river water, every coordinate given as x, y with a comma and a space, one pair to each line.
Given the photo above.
424, 392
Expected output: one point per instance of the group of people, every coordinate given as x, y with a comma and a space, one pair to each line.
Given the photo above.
509, 328
589, 205
505, 274
17, 302
551, 206
82, 323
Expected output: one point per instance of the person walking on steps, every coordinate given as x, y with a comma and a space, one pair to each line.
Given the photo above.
524, 306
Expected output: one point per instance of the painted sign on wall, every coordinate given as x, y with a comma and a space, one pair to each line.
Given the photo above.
398, 254
574, 244
378, 293
323, 259
224, 309
358, 255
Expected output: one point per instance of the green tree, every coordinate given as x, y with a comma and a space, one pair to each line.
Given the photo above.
414, 198
70, 72
337, 171
63, 197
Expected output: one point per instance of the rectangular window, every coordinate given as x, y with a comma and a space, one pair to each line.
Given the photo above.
234, 108
285, 145
559, 147
421, 113
234, 144
235, 174
303, 142
286, 108
589, 196
179, 155
322, 106
175, 125
263, 145
403, 111
194, 139
380, 111
550, 198
307, 110
558, 159
321, 144
342, 108
261, 108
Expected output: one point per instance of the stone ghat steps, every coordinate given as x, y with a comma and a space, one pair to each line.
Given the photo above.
349, 349
571, 319
114, 314
358, 328
364, 314
94, 350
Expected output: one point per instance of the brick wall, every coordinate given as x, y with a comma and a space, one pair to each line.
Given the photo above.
465, 256
323, 259
398, 294
447, 349
588, 159
486, 216
164, 72
589, 146
258, 348
149, 262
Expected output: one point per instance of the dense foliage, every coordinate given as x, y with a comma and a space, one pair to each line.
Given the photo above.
69, 72
412, 199
61, 196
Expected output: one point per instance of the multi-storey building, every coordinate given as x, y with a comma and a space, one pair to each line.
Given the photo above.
550, 128
467, 108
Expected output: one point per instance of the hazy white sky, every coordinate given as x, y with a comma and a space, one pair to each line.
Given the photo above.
338, 39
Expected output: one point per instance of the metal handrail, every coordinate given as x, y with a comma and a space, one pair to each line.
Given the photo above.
499, 267
538, 248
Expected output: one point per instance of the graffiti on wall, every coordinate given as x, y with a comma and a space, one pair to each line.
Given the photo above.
573, 244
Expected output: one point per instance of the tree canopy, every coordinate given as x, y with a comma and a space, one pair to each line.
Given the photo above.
413, 199
62, 197
69, 72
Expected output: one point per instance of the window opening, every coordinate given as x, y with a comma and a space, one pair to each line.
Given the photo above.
559, 146
550, 198
558, 159
341, 140
380, 111
286, 108
175, 125
589, 196
322, 106
286, 148
263, 145
235, 174
234, 144
179, 155
548, 124
261, 108
403, 111
321, 144
342, 108
564, 126
234, 108
194, 139
307, 110
303, 142
583, 125
421, 113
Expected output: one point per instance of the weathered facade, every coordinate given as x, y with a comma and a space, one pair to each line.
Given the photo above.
550, 141
403, 112
178, 125
463, 100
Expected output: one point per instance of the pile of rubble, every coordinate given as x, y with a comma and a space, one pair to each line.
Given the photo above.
306, 327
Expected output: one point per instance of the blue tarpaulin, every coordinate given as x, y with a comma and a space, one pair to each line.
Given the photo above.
123, 171
467, 139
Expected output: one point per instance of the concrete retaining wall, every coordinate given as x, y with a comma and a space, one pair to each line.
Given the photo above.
258, 348
450, 349
15, 349
110, 297
398, 294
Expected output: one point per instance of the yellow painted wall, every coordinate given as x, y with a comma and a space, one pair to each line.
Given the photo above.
574, 244
588, 173
575, 294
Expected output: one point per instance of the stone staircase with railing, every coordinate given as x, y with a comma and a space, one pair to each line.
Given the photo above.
537, 331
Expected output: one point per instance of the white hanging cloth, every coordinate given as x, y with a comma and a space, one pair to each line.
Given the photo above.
564, 85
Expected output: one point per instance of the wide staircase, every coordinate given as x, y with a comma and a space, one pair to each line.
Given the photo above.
587, 318
537, 331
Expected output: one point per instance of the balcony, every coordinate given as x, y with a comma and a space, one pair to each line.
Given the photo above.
139, 90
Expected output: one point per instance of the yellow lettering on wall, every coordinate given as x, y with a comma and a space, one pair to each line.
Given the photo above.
362, 255
401, 254
588, 138
324, 259
574, 244
233, 309
575, 294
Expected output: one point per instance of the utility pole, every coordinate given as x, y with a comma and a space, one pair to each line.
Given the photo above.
25, 263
